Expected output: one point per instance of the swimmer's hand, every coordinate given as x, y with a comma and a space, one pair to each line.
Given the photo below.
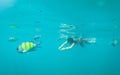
62, 49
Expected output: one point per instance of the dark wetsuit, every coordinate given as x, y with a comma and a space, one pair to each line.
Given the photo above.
73, 40
70, 40
76, 41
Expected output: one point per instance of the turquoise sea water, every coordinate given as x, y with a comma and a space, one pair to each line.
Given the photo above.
93, 18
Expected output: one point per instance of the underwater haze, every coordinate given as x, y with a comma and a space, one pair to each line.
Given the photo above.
23, 20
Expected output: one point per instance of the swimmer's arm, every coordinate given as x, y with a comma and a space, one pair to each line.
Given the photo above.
62, 45
69, 47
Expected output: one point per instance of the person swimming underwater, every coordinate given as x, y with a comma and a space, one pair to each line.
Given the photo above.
27, 46
74, 41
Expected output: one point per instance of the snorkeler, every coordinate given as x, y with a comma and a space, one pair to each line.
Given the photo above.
76, 41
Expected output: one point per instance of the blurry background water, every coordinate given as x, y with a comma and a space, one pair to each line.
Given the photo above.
23, 19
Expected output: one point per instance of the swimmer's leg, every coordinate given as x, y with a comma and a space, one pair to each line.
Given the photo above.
91, 40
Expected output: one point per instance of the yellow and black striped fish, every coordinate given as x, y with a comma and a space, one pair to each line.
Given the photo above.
26, 46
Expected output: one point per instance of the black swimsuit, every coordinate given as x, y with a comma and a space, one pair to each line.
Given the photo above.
71, 40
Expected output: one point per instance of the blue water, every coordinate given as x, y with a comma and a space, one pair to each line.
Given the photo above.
93, 18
